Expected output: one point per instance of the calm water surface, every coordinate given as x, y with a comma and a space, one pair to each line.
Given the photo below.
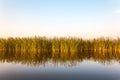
16, 67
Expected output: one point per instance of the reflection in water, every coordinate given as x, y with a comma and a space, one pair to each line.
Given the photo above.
33, 58
70, 66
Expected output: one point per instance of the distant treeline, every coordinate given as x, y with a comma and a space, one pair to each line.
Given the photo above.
59, 45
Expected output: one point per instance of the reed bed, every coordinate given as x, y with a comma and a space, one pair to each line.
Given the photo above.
59, 45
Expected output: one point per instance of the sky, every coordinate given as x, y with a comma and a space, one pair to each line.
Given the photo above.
60, 18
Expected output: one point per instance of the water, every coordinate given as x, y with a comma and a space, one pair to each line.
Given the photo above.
19, 66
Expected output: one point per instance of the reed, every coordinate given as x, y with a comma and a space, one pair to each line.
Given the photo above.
59, 45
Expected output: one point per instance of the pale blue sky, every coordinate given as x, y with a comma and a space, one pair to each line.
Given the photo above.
51, 18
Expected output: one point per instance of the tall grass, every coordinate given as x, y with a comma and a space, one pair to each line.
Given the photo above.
59, 45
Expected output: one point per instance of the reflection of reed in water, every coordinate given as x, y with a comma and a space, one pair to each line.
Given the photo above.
35, 58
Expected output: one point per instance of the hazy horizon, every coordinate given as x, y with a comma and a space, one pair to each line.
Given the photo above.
60, 18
